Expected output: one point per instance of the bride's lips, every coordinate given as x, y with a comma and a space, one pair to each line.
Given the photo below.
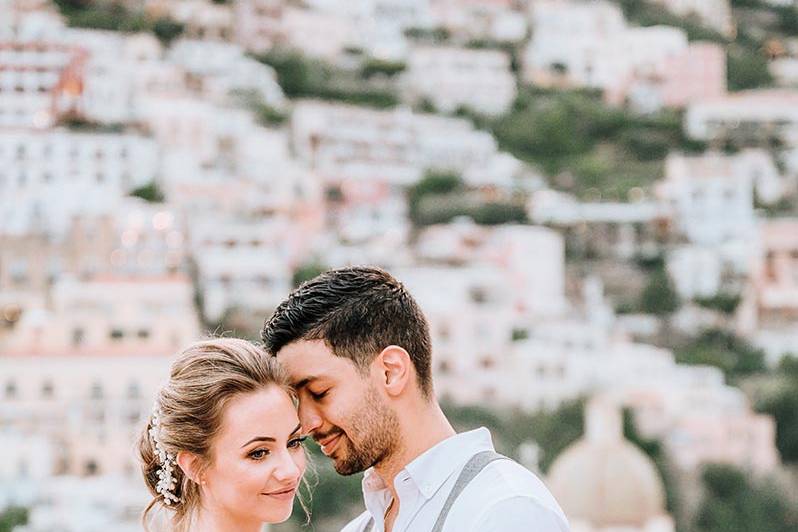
285, 494
329, 443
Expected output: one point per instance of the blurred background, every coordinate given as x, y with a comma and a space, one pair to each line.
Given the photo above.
594, 202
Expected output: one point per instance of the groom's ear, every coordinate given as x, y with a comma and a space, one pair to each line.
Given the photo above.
396, 369
190, 464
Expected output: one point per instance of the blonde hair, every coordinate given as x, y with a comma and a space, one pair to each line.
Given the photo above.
203, 378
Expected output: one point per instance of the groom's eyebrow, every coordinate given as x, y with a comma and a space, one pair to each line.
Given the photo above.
304, 382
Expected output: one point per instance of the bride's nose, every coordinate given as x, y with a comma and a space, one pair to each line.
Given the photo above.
287, 469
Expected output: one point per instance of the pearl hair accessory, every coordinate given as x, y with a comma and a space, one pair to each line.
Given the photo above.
166, 482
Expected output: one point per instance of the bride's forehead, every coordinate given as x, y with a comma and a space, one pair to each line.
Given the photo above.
269, 407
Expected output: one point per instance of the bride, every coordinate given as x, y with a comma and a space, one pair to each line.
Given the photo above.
223, 449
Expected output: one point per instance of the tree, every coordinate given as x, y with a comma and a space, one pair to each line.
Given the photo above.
733, 503
654, 450
747, 69
553, 431
268, 116
725, 302
719, 348
12, 517
659, 296
167, 30
373, 67
434, 183
150, 192
307, 271
782, 404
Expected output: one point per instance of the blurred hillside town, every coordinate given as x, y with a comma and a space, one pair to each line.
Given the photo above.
594, 202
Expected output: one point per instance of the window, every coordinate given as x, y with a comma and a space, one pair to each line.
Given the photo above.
444, 367
96, 391
143, 334
47, 389
133, 390
90, 468
116, 334
487, 362
11, 390
77, 336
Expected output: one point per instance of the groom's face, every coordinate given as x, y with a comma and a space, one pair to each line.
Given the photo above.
343, 409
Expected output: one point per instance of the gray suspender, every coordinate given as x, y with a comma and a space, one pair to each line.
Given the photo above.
477, 463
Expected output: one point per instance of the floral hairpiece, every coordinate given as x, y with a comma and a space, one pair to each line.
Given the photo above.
166, 482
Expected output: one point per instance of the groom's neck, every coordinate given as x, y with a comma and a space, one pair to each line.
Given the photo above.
422, 425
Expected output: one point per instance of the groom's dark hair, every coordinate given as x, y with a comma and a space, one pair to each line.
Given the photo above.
358, 312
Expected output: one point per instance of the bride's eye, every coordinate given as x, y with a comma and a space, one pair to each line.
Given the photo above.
297, 442
259, 454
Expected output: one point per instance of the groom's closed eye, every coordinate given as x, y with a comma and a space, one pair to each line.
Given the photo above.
317, 396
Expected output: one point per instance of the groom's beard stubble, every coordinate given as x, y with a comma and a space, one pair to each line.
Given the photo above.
373, 437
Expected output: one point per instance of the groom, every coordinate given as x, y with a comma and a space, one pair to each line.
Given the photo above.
357, 348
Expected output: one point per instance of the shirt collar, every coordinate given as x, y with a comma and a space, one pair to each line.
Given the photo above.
432, 468
428, 471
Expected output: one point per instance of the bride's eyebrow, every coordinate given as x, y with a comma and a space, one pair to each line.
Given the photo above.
269, 438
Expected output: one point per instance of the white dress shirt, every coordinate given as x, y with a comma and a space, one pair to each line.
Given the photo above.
504, 497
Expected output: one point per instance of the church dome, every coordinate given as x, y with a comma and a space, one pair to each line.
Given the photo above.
605, 480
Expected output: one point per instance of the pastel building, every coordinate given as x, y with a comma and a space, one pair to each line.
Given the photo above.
135, 239
716, 14
39, 81
82, 372
696, 73
604, 482
770, 305
577, 44
109, 315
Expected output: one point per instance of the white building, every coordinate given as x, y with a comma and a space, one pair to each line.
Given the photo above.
47, 177
450, 78
749, 116
223, 68
476, 20
578, 41
696, 271
532, 260
343, 142
711, 196
471, 326
200, 129
202, 19
77, 504
246, 264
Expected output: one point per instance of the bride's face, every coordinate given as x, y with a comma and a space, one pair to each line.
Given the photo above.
257, 459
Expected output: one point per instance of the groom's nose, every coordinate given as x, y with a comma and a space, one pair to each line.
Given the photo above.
309, 416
